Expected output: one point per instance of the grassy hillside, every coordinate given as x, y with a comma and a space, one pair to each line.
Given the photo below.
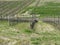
49, 9
42, 34
19, 34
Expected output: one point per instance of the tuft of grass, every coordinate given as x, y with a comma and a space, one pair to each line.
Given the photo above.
28, 31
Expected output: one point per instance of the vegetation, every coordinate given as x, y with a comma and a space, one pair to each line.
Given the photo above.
10, 8
42, 34
21, 33
48, 10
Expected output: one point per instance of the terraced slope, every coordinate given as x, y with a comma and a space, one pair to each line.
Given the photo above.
13, 7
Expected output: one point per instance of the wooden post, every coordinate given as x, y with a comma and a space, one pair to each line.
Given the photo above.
8, 21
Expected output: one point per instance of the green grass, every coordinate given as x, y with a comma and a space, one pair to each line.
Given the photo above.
48, 10
43, 33
23, 33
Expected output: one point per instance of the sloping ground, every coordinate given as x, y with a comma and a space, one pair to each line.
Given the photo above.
21, 34
49, 9
11, 8
42, 2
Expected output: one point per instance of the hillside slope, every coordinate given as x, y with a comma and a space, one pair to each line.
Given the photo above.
21, 34
42, 2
